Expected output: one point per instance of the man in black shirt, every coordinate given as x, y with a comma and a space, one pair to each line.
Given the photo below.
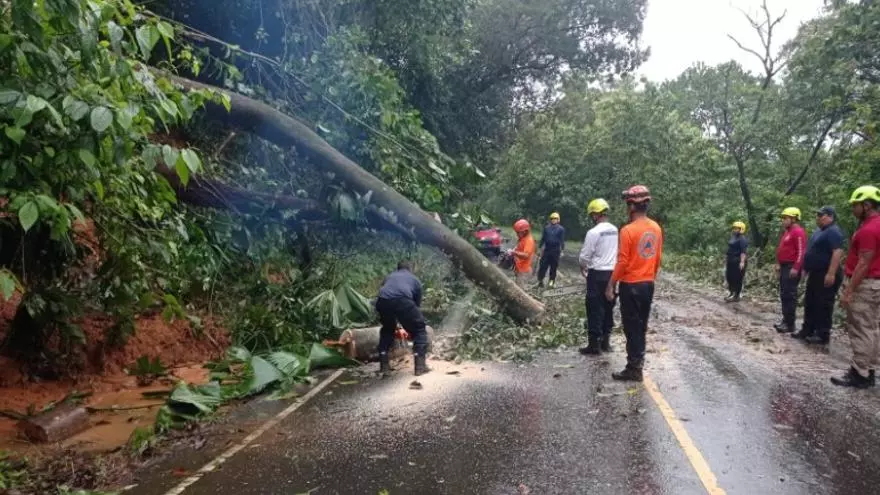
399, 300
824, 277
552, 244
735, 268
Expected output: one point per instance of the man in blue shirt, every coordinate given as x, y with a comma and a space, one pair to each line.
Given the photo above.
552, 244
822, 263
400, 298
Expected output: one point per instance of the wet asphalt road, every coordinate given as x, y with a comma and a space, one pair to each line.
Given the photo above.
757, 406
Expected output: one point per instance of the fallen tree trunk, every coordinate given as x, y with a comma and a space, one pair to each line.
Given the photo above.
261, 119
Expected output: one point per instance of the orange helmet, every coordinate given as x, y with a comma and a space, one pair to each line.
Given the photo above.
521, 225
637, 194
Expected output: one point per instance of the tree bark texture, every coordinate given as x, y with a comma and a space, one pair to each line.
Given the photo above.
270, 124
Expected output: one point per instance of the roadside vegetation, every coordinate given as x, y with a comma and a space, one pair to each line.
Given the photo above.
125, 197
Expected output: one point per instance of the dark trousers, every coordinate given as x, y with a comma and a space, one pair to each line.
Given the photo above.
819, 303
635, 309
735, 277
788, 288
550, 260
405, 311
600, 311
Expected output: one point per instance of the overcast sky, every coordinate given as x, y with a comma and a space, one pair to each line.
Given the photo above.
682, 32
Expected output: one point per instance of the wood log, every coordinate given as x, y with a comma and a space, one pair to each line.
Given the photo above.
270, 124
58, 424
361, 344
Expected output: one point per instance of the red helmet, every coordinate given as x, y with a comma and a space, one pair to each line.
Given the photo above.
637, 194
521, 225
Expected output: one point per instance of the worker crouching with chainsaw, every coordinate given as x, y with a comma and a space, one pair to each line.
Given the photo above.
400, 298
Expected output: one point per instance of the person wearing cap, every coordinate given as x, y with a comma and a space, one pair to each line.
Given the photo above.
861, 293
789, 263
551, 246
638, 262
822, 264
735, 268
597, 259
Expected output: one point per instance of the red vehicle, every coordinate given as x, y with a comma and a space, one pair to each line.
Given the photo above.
489, 239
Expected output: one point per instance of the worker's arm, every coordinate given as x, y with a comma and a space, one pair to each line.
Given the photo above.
836, 241
800, 240
417, 294
588, 249
866, 256
623, 254
659, 254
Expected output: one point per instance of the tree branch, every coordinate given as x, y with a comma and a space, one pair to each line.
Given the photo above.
815, 153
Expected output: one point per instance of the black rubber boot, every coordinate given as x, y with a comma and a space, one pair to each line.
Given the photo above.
592, 348
384, 364
628, 375
606, 345
421, 365
853, 379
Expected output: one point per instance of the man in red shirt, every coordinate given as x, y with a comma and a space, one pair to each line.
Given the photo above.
861, 297
789, 263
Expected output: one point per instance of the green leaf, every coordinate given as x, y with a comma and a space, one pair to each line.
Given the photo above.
189, 400
7, 284
263, 375
324, 357
124, 118
87, 157
191, 158
116, 34
238, 354
99, 189
101, 118
34, 103
74, 108
9, 96
226, 101
169, 156
165, 29
28, 215
147, 36
290, 365
16, 134
182, 172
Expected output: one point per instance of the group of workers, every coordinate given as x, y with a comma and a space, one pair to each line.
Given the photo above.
623, 266
821, 261
617, 266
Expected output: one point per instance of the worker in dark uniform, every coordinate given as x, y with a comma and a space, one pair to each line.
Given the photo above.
552, 244
399, 300
737, 254
823, 264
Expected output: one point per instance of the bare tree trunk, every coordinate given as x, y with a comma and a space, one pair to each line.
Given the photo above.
757, 236
283, 130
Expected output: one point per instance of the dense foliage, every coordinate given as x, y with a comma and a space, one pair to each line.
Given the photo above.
716, 144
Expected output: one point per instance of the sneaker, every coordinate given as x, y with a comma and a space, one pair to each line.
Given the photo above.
801, 334
729, 297
781, 326
552, 284
853, 379
628, 375
606, 345
540, 284
785, 329
820, 340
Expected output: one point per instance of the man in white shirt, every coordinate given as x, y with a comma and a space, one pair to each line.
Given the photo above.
597, 259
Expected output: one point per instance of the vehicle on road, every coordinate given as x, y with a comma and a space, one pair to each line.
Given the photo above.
489, 239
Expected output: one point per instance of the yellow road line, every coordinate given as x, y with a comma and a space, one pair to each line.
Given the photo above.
687, 444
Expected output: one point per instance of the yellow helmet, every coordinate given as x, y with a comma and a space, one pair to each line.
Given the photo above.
792, 212
598, 206
554, 216
865, 192
739, 225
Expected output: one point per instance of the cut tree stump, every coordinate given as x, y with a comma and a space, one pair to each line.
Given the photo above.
361, 344
58, 424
